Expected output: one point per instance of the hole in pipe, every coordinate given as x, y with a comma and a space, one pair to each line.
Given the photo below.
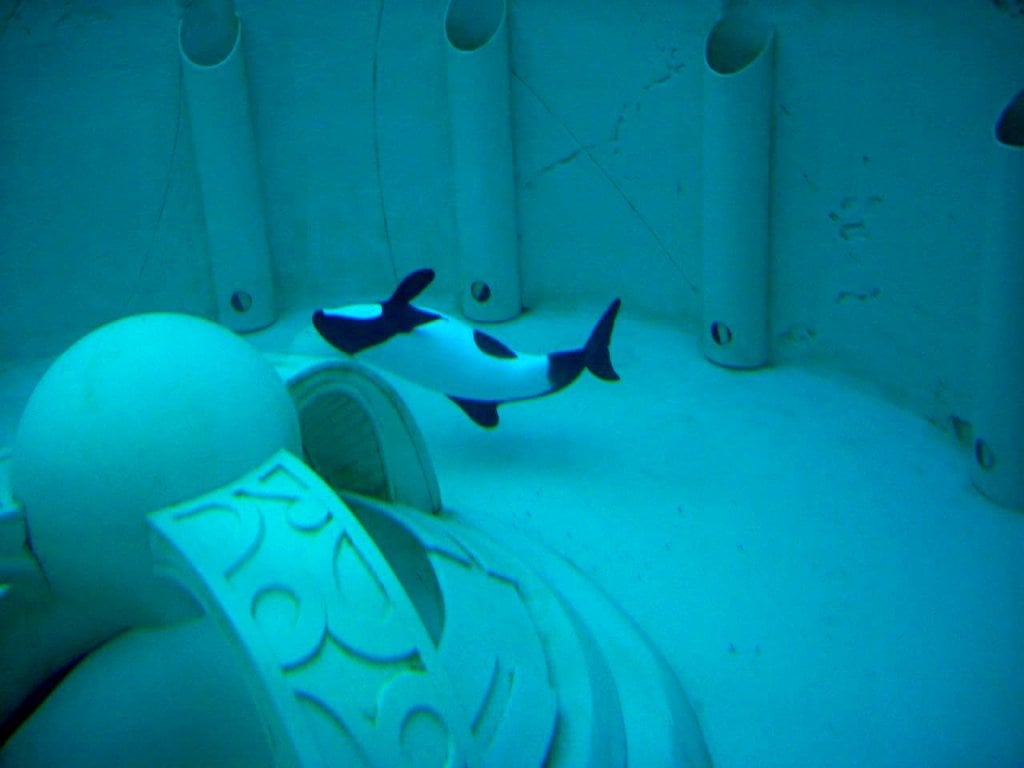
480, 291
470, 24
1010, 126
983, 454
721, 333
209, 32
241, 301
736, 42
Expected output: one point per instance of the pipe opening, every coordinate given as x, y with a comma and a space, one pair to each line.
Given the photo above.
241, 301
470, 24
209, 33
735, 43
1010, 125
480, 291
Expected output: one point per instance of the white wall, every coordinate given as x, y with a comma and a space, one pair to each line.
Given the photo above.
884, 114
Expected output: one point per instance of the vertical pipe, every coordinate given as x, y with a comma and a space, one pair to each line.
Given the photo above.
998, 468
738, 88
216, 89
483, 169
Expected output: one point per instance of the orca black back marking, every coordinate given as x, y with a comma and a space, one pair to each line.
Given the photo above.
349, 334
565, 367
354, 334
359, 327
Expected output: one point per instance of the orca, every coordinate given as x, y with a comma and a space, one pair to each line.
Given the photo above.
473, 369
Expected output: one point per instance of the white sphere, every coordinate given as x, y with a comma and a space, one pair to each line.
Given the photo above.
144, 412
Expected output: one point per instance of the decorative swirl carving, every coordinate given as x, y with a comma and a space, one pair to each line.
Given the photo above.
340, 659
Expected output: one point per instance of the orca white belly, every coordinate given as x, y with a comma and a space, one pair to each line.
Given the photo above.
443, 355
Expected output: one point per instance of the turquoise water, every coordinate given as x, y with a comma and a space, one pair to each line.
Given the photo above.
800, 544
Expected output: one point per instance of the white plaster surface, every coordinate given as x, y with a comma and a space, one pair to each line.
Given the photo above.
884, 114
813, 561
812, 558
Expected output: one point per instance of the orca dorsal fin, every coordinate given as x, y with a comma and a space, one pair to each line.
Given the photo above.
483, 412
411, 286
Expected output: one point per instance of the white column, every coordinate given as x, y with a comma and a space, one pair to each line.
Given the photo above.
483, 167
998, 469
738, 87
216, 89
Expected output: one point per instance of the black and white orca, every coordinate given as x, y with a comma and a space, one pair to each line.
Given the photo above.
475, 370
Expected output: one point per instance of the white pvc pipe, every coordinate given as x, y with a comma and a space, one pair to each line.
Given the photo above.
483, 169
216, 88
998, 468
738, 88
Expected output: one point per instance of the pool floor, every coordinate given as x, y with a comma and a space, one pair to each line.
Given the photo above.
812, 560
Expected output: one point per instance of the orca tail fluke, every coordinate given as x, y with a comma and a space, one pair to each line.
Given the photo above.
595, 352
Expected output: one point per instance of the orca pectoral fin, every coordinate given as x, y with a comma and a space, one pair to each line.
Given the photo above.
483, 412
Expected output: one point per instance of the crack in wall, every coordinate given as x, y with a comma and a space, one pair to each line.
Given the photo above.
587, 150
673, 69
5, 22
1012, 8
560, 162
80, 17
861, 296
376, 140
165, 196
